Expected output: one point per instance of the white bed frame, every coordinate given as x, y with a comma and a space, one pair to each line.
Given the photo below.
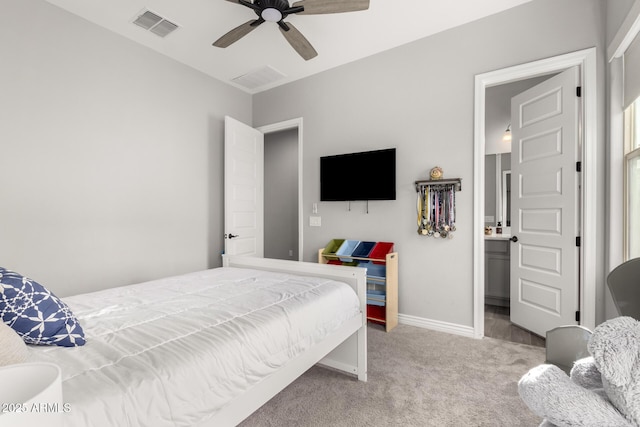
345, 350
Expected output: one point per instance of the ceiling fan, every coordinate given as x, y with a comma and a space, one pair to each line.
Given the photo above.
278, 10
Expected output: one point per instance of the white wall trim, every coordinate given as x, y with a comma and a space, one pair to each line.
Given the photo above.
293, 124
481, 83
615, 147
586, 60
436, 325
626, 33
499, 216
615, 181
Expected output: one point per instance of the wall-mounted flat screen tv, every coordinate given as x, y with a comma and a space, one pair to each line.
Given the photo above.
368, 175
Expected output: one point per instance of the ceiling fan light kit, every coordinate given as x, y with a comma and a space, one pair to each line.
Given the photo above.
278, 10
271, 14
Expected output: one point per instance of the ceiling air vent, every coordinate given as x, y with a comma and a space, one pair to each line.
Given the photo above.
259, 78
155, 23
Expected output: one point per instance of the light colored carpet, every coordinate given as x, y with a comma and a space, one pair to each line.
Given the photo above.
417, 377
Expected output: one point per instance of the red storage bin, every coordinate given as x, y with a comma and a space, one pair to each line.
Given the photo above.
380, 251
376, 314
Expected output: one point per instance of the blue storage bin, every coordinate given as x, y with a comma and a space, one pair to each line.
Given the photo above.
346, 249
363, 249
375, 297
374, 270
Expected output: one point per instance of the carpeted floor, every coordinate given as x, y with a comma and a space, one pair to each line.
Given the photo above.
497, 324
417, 377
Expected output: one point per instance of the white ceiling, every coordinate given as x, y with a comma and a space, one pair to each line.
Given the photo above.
338, 38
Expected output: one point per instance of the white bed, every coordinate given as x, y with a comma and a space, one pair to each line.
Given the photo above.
208, 348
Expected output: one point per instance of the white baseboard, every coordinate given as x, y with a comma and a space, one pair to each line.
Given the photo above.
436, 325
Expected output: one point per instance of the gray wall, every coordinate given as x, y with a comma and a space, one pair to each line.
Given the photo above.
616, 12
111, 154
419, 98
281, 194
498, 112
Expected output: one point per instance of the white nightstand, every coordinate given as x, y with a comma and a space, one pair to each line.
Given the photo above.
31, 395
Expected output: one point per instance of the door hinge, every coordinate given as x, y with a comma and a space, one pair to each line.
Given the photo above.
579, 91
578, 241
578, 316
578, 166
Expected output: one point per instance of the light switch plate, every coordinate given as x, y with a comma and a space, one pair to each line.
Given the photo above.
315, 221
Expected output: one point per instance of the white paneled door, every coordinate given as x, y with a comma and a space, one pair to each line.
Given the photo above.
545, 204
243, 189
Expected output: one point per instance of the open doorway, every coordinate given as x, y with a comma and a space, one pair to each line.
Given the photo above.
244, 187
585, 60
281, 194
283, 190
497, 210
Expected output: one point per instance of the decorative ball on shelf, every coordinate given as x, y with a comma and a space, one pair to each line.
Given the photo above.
436, 173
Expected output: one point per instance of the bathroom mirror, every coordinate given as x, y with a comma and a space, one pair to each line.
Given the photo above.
506, 197
497, 191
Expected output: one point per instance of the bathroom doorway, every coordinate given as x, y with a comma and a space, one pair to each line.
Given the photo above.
585, 61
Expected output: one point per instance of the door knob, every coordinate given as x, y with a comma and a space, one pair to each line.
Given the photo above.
230, 236
514, 239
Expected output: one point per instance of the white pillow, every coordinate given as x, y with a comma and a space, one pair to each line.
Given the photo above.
12, 348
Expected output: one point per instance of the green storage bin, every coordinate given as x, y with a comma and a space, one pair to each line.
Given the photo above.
332, 247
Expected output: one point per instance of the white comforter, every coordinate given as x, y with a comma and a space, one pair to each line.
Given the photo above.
171, 352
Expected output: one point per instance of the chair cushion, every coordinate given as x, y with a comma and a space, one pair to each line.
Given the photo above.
35, 313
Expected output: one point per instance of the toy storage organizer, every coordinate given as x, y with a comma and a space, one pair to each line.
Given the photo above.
382, 274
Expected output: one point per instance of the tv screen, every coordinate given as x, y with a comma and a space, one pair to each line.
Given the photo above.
369, 175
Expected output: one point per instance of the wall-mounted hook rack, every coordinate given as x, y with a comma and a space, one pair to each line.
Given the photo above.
431, 182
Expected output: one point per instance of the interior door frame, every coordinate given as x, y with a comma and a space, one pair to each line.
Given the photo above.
586, 60
286, 125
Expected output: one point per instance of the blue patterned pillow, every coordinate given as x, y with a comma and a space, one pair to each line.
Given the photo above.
35, 313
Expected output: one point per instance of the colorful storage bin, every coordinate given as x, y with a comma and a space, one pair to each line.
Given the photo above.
346, 249
380, 251
363, 249
374, 270
332, 247
375, 297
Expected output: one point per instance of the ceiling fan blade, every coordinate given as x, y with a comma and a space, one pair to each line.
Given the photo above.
237, 33
317, 7
298, 42
247, 3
